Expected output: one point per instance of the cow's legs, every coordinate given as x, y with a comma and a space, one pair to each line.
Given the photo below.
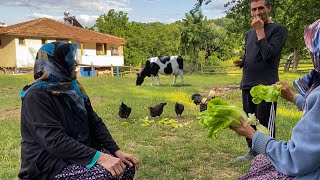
158, 80
174, 79
182, 76
152, 80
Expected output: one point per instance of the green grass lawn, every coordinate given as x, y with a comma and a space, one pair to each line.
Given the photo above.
164, 152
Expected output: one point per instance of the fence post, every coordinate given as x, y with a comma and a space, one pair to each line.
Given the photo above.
112, 72
288, 63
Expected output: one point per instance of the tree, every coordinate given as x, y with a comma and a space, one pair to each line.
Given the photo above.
193, 34
296, 16
114, 23
292, 13
195, 38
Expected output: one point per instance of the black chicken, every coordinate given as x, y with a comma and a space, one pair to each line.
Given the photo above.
124, 111
157, 109
196, 98
178, 108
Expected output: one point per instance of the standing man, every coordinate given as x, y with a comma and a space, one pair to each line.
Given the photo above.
263, 47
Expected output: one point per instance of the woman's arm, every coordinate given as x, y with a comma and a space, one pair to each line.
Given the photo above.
300, 155
100, 131
102, 134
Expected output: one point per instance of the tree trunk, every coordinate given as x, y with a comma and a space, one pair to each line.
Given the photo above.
296, 58
195, 57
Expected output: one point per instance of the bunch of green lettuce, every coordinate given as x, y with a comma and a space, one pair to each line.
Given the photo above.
266, 93
220, 115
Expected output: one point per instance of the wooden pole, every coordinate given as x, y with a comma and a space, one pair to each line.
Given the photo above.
81, 48
112, 72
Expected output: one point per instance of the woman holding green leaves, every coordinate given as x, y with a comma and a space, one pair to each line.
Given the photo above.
298, 158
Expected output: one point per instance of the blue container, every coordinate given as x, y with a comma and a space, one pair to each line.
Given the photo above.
87, 71
117, 71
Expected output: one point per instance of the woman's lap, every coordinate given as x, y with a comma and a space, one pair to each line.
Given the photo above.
75, 172
262, 168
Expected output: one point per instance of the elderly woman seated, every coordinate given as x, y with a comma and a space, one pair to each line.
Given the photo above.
62, 136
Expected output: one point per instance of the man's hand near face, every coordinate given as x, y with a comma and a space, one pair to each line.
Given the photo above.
258, 24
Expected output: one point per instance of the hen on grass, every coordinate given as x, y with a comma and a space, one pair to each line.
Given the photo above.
156, 110
124, 111
178, 108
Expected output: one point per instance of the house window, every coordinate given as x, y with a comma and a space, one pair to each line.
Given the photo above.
22, 41
43, 41
100, 49
114, 52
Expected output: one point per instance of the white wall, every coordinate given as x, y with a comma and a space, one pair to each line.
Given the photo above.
89, 49
103, 60
26, 54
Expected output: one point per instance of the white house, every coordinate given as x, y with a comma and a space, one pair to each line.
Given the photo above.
20, 42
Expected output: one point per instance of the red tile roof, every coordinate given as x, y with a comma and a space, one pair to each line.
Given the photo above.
48, 28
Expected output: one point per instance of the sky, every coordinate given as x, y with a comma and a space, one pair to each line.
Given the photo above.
87, 11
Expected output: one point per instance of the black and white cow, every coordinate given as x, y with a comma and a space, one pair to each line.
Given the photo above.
161, 65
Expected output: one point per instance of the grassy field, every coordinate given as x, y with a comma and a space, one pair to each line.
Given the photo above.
164, 152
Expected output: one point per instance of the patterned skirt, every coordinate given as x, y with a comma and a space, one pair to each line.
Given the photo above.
262, 169
78, 172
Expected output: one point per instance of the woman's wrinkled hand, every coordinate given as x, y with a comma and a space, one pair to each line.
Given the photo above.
114, 165
129, 159
244, 130
286, 91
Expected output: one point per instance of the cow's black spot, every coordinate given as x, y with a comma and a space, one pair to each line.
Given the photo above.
180, 62
154, 69
168, 69
164, 59
146, 70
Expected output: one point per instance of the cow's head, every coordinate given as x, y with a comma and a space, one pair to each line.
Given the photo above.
146, 71
139, 80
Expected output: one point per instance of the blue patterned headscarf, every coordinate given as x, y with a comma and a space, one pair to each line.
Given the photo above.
53, 69
310, 81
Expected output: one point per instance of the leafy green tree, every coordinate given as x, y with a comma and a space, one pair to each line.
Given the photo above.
114, 23
143, 39
294, 14
202, 38
195, 38
193, 35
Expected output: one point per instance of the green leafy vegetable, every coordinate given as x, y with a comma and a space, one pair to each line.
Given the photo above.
220, 115
266, 93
